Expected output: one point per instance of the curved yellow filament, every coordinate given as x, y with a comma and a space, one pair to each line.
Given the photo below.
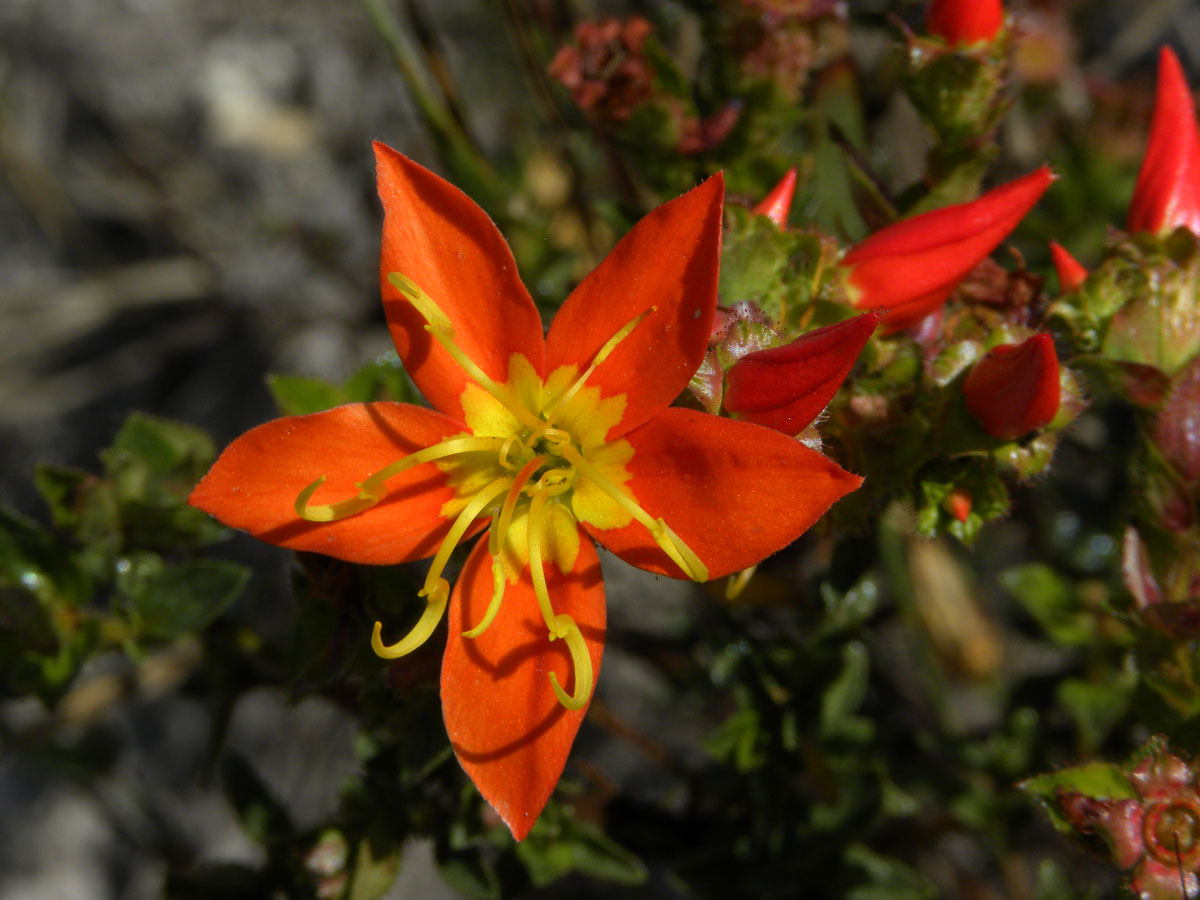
737, 582
373, 489
581, 662
469, 514
601, 355
420, 632
438, 325
534, 519
500, 528
679, 552
499, 579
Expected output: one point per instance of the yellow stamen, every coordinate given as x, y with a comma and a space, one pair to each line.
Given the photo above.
601, 355
737, 582
373, 489
679, 552
500, 529
468, 515
438, 325
535, 518
418, 635
499, 579
581, 662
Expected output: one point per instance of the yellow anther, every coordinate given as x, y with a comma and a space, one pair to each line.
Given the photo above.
439, 326
581, 663
601, 355
673, 545
374, 489
435, 605
498, 582
737, 582
556, 481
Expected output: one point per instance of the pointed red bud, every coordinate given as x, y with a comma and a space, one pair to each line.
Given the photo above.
910, 268
1015, 387
1167, 194
786, 387
964, 21
1070, 273
958, 504
778, 203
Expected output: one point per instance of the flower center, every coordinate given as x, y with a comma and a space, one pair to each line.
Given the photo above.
1171, 832
536, 462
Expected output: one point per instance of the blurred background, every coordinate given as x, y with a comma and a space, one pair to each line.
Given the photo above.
187, 204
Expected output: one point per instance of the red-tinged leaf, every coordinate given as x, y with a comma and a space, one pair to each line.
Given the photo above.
1177, 425
964, 22
438, 237
1070, 273
786, 387
1015, 387
777, 205
508, 730
1136, 572
911, 267
1167, 194
254, 483
668, 261
734, 492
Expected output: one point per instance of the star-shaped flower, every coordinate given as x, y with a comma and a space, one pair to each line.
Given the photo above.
550, 442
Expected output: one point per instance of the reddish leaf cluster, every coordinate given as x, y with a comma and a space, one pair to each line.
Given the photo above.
606, 71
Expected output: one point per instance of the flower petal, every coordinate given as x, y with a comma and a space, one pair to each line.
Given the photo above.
438, 237
1167, 193
508, 731
667, 261
734, 492
253, 485
786, 387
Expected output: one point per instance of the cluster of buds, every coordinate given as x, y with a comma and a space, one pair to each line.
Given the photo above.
606, 70
1154, 833
613, 79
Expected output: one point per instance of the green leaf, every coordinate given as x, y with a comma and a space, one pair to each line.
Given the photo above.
845, 612
559, 844
890, 879
1098, 780
154, 464
468, 871
845, 695
375, 871
1097, 707
296, 395
166, 600
1049, 599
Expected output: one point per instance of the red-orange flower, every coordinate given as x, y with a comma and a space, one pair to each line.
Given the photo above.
553, 441
1167, 193
910, 268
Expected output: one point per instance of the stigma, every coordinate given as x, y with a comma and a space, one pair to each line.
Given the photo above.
536, 462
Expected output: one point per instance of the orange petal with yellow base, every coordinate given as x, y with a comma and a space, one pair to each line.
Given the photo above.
254, 483
667, 261
508, 731
734, 492
439, 238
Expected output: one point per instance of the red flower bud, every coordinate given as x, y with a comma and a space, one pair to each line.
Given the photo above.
958, 504
1070, 273
778, 202
1015, 387
786, 387
964, 21
911, 267
1167, 194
